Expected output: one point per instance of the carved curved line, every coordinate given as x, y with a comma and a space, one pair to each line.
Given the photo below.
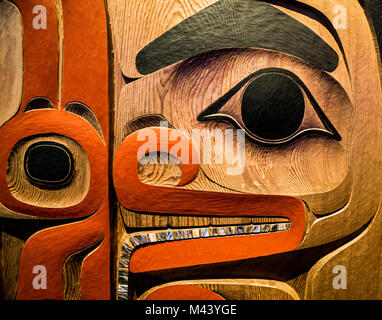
230, 24
85, 112
50, 247
140, 239
73, 265
210, 112
312, 13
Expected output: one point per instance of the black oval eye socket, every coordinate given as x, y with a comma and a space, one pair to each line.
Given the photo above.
273, 107
38, 103
49, 165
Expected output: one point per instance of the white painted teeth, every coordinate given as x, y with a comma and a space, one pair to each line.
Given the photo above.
142, 238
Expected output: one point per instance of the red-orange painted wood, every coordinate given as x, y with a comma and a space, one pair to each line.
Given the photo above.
135, 195
187, 253
41, 52
183, 292
95, 273
89, 85
85, 80
50, 248
63, 123
86, 68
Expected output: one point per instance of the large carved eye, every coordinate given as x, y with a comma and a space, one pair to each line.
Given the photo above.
275, 108
272, 107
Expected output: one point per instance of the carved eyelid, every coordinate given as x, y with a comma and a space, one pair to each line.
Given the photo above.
210, 112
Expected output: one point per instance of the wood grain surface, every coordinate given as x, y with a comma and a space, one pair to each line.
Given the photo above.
105, 72
10, 60
231, 289
338, 180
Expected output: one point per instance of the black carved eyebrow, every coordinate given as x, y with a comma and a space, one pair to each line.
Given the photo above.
314, 14
236, 24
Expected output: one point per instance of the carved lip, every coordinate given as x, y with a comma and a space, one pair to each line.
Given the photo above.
135, 195
177, 248
133, 241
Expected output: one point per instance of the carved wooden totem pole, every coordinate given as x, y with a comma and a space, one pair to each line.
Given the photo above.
54, 151
190, 149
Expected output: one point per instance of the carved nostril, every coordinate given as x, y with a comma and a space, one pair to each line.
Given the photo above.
38, 103
48, 165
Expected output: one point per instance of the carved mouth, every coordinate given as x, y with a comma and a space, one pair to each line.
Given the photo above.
139, 239
179, 248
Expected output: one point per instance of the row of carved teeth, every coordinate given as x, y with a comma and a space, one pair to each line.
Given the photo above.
139, 239
185, 234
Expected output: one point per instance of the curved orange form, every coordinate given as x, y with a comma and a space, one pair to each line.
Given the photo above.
50, 248
85, 80
183, 292
135, 195
187, 253
89, 86
63, 123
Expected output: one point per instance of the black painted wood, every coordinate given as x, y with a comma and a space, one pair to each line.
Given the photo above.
272, 107
48, 164
212, 112
236, 24
38, 103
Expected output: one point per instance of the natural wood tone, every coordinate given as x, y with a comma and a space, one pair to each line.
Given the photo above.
355, 195
325, 184
10, 250
71, 276
133, 34
366, 162
239, 289
60, 35
298, 161
362, 258
26, 192
183, 292
145, 220
11, 67
169, 175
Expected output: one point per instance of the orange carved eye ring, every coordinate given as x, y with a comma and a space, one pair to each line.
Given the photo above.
55, 122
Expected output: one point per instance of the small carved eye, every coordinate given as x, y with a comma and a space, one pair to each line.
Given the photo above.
272, 107
48, 164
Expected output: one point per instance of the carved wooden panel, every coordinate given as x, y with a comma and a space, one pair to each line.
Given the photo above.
54, 176
188, 149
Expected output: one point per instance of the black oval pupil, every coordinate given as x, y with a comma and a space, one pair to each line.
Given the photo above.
48, 164
273, 107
